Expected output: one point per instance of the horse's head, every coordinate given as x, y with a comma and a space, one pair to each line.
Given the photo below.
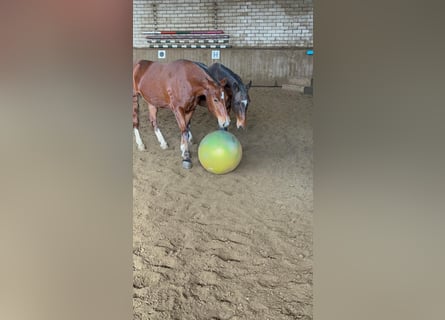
216, 102
240, 102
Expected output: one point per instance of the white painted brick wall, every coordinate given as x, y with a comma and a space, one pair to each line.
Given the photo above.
262, 23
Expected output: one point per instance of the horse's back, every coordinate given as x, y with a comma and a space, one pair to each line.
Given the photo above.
160, 82
164, 71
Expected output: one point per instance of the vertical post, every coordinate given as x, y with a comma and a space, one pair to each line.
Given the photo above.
155, 16
215, 11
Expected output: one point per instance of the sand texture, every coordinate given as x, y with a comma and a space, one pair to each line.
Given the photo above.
233, 246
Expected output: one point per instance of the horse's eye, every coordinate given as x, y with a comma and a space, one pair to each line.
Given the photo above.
215, 100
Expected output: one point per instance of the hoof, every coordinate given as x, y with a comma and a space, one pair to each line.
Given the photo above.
186, 164
164, 146
141, 148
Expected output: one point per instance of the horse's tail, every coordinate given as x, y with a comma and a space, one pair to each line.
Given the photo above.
137, 74
135, 97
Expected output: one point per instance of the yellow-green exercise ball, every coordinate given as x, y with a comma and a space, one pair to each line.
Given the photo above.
220, 152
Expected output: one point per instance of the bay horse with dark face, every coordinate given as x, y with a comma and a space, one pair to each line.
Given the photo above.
237, 92
178, 86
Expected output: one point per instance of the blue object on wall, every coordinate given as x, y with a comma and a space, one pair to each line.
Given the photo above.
309, 52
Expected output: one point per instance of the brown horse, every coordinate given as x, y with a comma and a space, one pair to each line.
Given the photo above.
177, 85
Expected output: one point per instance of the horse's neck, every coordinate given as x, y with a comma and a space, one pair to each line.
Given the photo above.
205, 83
201, 91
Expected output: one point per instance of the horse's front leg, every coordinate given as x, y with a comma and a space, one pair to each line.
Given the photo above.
189, 133
185, 152
183, 126
188, 117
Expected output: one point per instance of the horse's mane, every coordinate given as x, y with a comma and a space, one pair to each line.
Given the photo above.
206, 69
233, 74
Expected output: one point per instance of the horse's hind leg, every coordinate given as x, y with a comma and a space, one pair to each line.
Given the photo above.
137, 136
154, 122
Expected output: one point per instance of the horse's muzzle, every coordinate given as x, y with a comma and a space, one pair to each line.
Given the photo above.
240, 124
224, 123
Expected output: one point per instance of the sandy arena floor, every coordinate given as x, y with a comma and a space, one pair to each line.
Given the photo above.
234, 246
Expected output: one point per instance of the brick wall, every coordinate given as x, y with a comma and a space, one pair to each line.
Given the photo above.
262, 23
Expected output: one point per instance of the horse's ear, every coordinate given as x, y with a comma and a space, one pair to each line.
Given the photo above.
223, 82
249, 85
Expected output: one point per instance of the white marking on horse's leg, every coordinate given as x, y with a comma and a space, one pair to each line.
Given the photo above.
190, 137
182, 149
139, 142
161, 139
184, 145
